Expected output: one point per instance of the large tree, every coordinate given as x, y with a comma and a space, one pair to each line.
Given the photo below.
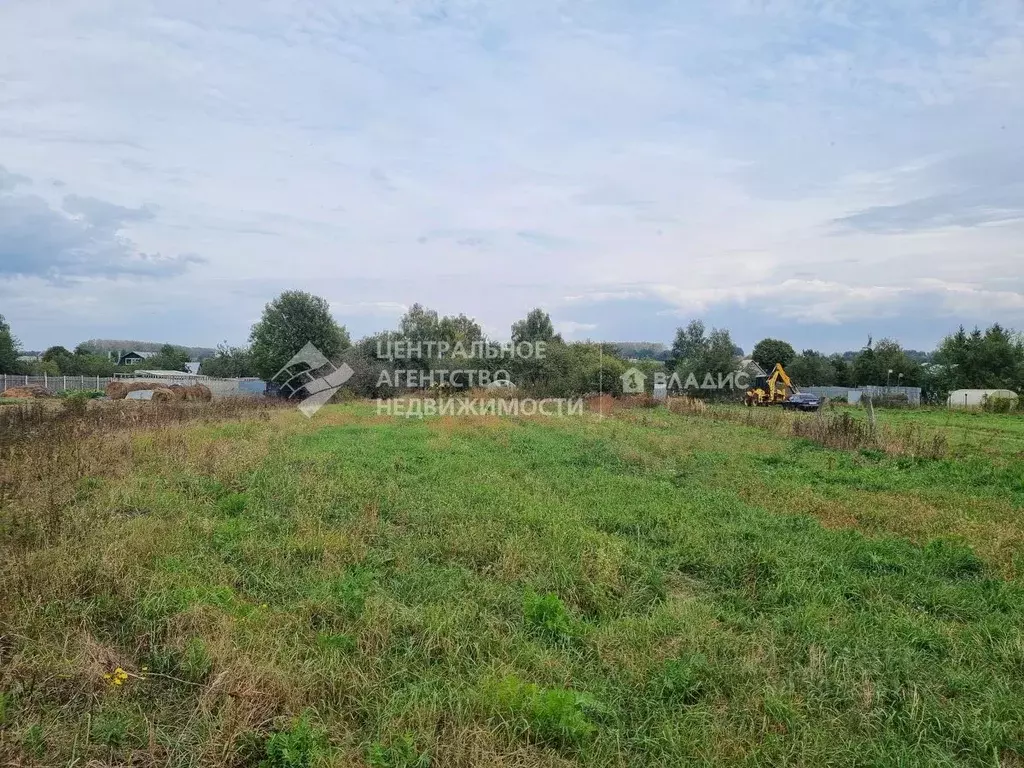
169, 358
689, 342
8, 348
704, 356
229, 363
884, 363
420, 324
536, 326
289, 322
811, 369
990, 359
768, 352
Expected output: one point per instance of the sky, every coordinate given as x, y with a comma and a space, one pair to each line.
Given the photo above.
816, 170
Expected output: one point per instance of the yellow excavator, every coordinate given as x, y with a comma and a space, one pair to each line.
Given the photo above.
771, 389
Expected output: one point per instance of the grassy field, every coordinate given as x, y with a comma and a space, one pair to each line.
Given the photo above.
646, 588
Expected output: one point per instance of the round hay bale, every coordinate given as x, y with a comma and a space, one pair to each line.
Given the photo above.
117, 390
163, 395
200, 393
180, 392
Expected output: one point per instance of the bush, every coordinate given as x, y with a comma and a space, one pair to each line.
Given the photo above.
546, 615
76, 403
88, 394
553, 716
401, 753
999, 404
298, 746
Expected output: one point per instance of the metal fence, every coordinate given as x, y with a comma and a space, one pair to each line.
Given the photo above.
854, 394
219, 387
55, 383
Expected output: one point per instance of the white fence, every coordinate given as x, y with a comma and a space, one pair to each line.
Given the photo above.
219, 387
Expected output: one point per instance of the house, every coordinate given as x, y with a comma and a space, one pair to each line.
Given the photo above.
193, 366
134, 358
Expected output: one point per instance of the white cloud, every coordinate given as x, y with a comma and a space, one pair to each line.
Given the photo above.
814, 159
570, 329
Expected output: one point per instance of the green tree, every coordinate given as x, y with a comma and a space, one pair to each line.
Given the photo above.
842, 371
9, 347
768, 352
988, 360
704, 357
289, 322
689, 342
169, 358
811, 369
420, 324
60, 357
895, 367
459, 330
536, 326
229, 363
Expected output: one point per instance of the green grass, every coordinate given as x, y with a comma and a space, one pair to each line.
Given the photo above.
645, 589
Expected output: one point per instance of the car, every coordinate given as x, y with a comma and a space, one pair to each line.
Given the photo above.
802, 401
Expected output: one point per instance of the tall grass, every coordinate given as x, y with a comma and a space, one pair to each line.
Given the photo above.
356, 590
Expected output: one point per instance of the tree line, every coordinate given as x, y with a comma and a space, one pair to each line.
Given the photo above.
990, 358
84, 360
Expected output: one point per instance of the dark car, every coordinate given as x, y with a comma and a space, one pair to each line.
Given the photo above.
802, 401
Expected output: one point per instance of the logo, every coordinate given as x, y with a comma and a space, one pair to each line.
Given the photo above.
312, 375
633, 381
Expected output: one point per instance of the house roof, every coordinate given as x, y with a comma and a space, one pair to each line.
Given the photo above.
143, 355
165, 374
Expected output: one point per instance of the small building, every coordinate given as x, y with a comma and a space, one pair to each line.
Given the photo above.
134, 358
976, 398
193, 366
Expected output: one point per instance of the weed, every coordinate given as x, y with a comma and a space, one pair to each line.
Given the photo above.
400, 753
554, 716
683, 680
547, 616
297, 746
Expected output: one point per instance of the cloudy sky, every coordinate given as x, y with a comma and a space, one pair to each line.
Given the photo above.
816, 169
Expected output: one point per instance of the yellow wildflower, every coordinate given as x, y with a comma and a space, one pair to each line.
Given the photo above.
116, 678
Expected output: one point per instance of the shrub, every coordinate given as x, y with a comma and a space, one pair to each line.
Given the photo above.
401, 753
76, 403
553, 716
297, 746
999, 404
546, 615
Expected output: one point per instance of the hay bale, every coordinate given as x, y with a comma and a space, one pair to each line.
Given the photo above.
180, 392
196, 393
163, 395
30, 391
116, 390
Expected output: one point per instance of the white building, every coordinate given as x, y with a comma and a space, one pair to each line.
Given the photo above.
975, 398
